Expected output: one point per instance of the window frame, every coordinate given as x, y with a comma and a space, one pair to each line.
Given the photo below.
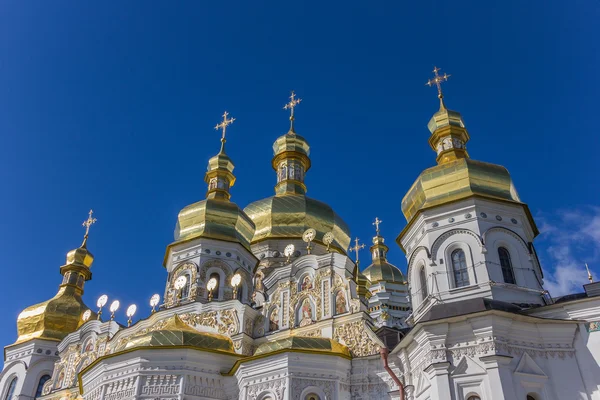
462, 271
506, 265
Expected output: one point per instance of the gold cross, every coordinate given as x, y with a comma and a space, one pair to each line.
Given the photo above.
356, 248
376, 223
437, 81
290, 106
88, 222
223, 125
590, 278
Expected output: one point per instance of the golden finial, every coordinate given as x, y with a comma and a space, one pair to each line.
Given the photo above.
356, 248
376, 223
290, 106
437, 81
86, 224
590, 278
223, 126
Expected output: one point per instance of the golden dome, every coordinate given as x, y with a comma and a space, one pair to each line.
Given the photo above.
305, 345
216, 217
381, 270
290, 212
288, 216
177, 333
56, 318
456, 176
458, 179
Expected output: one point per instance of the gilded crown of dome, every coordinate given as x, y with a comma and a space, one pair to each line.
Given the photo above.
55, 318
380, 269
216, 217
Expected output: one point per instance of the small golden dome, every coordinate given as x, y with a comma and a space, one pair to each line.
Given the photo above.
304, 344
56, 318
177, 333
384, 272
289, 216
216, 217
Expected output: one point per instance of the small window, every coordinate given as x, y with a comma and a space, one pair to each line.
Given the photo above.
215, 292
40, 386
459, 268
423, 279
506, 265
530, 397
185, 292
473, 398
11, 389
312, 396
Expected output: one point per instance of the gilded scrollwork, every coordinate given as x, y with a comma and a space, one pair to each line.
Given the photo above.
354, 335
225, 322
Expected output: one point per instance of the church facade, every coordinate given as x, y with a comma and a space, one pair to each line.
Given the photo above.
266, 302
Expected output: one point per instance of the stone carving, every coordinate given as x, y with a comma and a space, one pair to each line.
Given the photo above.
326, 301
299, 384
355, 336
275, 386
161, 385
225, 322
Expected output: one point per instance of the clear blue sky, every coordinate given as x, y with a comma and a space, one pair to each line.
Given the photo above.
112, 107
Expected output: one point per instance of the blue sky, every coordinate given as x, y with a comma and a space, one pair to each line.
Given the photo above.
112, 107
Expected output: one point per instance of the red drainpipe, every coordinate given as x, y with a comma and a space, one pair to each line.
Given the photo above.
384, 357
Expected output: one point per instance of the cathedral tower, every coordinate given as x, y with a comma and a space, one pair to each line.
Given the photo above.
468, 233
212, 241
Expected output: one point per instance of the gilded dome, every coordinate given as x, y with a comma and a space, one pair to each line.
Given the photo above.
175, 332
56, 318
384, 271
304, 344
288, 216
457, 179
290, 212
216, 217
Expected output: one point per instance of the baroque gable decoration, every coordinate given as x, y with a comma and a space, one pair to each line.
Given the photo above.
358, 338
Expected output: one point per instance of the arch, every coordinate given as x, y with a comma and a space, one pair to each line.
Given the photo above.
460, 271
314, 391
40, 387
266, 395
508, 231
12, 387
440, 240
190, 271
505, 263
413, 255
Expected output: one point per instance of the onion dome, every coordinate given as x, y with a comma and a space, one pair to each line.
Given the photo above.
56, 318
175, 332
216, 217
290, 212
456, 176
318, 345
380, 269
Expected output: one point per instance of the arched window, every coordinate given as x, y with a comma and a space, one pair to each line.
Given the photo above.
312, 396
11, 389
43, 379
239, 293
185, 292
423, 279
215, 292
459, 268
506, 264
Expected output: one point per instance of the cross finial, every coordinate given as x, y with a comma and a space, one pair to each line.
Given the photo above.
290, 106
376, 223
437, 81
590, 278
223, 125
86, 224
356, 248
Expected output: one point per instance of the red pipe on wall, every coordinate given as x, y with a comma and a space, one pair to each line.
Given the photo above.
384, 357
